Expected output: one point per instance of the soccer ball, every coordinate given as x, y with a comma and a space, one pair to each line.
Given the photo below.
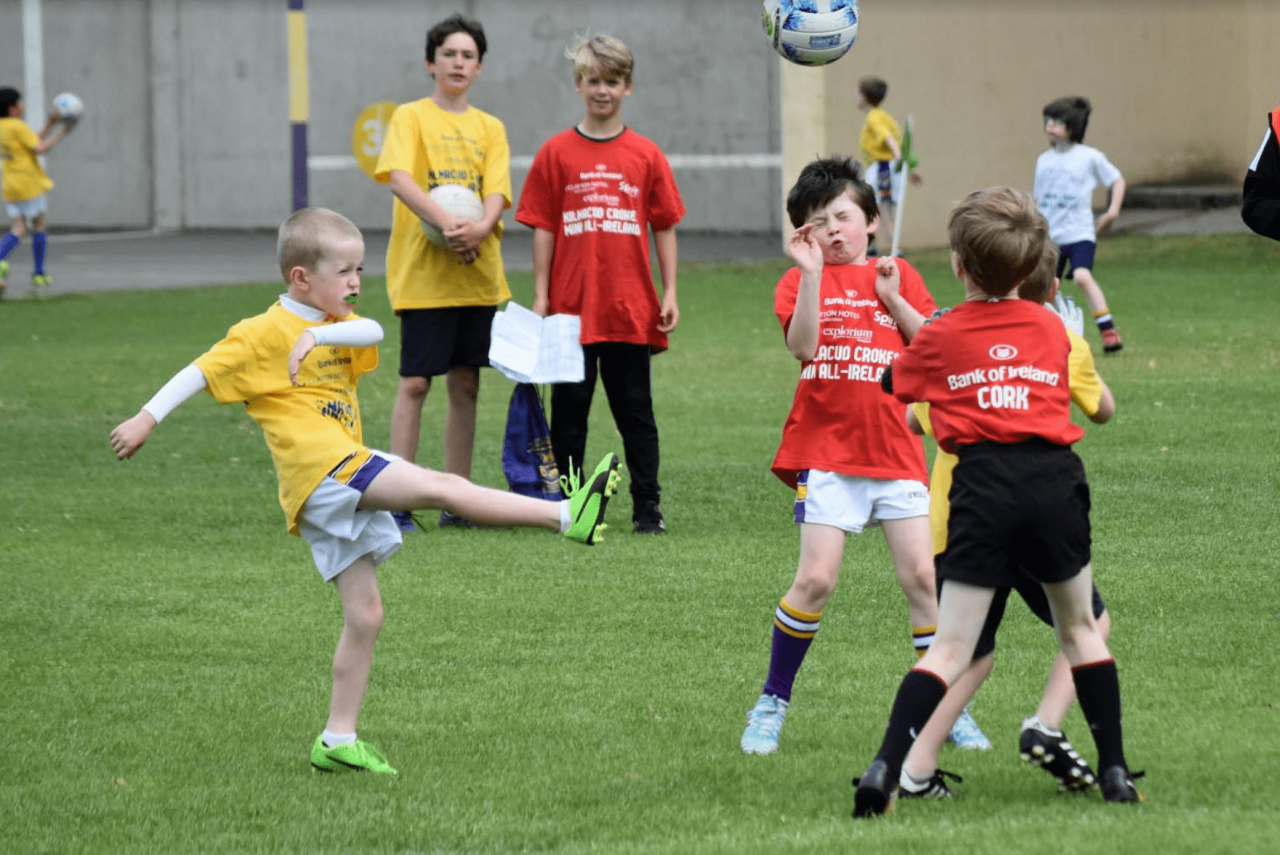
457, 200
67, 106
811, 32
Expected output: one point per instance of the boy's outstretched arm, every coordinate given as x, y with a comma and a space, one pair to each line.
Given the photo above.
131, 434
49, 140
669, 312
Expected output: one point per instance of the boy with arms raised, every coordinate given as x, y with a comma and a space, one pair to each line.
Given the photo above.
994, 371
1042, 741
295, 368
845, 449
446, 298
1066, 175
23, 182
592, 195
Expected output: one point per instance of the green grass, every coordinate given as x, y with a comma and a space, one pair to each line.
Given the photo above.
165, 647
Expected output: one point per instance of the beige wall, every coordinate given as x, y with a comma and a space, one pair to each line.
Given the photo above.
1180, 90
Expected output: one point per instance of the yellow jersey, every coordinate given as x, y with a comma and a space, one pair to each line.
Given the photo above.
438, 147
877, 128
23, 177
310, 427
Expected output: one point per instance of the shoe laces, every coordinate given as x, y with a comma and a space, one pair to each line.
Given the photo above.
935, 787
570, 483
767, 719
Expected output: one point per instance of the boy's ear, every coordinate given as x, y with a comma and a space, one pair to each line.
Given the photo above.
1053, 292
297, 278
873, 225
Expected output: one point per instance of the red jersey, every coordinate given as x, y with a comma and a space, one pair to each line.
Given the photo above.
840, 420
599, 197
992, 371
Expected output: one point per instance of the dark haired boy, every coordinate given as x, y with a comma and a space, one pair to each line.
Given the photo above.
1066, 176
994, 371
24, 183
846, 449
445, 296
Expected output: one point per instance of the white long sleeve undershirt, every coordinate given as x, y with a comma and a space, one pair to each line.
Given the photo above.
362, 332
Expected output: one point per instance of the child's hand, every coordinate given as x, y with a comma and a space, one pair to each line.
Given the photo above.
804, 250
304, 345
129, 435
888, 278
464, 236
669, 314
1071, 314
541, 306
1105, 219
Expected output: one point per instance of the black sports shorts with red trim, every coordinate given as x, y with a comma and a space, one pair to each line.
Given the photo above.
1014, 507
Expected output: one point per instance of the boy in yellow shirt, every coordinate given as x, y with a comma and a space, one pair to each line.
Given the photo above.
295, 368
25, 182
445, 297
882, 156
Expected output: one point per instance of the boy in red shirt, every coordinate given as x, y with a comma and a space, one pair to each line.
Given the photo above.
591, 196
846, 448
994, 372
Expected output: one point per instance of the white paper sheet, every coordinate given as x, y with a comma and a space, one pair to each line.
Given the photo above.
529, 349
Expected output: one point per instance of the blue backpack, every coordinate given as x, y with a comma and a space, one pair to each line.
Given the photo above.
527, 459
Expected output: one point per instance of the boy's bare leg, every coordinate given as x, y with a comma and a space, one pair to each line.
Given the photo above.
1060, 691
884, 231
404, 486
1090, 289
1072, 605
910, 545
961, 612
821, 552
353, 659
463, 386
406, 416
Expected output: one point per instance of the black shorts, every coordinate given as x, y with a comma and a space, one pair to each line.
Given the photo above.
1079, 254
434, 340
1016, 507
1037, 600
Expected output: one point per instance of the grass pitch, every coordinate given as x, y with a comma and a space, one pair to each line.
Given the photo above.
165, 647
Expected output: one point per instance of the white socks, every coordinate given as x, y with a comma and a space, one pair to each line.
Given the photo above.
330, 739
566, 516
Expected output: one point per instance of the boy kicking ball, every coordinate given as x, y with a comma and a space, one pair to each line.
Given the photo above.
295, 368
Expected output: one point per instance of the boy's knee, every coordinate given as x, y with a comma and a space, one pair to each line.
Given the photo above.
815, 587
918, 581
464, 384
367, 617
415, 388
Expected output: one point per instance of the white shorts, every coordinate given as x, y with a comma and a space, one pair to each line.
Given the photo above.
852, 503
886, 182
338, 531
29, 208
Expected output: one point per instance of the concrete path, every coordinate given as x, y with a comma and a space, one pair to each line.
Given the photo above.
147, 260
